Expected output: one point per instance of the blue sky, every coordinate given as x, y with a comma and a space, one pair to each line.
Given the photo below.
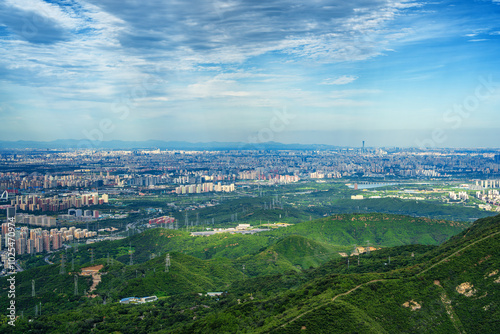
393, 73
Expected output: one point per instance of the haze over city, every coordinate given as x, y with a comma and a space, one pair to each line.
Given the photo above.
392, 73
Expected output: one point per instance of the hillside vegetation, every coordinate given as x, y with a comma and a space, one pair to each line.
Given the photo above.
295, 284
341, 231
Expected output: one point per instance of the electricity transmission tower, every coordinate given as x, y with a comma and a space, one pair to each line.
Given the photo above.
76, 284
61, 269
32, 288
167, 262
130, 252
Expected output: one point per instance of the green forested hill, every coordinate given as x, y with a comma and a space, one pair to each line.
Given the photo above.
338, 230
378, 229
287, 287
186, 274
456, 290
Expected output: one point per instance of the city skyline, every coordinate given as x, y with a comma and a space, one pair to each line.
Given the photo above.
392, 73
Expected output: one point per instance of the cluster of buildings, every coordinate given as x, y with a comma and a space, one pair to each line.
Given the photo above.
35, 181
42, 221
56, 203
49, 221
322, 175
194, 177
285, 179
491, 197
203, 188
80, 215
276, 178
240, 229
195, 170
162, 220
136, 300
32, 241
462, 195
488, 184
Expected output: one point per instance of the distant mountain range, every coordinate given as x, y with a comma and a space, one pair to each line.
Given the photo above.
157, 144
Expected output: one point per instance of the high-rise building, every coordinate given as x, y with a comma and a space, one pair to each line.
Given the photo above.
21, 246
5, 229
105, 198
38, 244
56, 241
30, 246
46, 241
11, 213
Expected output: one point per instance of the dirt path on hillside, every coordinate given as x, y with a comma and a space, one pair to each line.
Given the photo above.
458, 251
333, 299
455, 320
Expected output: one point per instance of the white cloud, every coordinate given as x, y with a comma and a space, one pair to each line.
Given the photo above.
63, 15
231, 56
342, 80
340, 94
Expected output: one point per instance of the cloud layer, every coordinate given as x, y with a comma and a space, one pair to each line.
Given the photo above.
196, 63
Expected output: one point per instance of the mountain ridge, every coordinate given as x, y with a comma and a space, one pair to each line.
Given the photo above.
157, 144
